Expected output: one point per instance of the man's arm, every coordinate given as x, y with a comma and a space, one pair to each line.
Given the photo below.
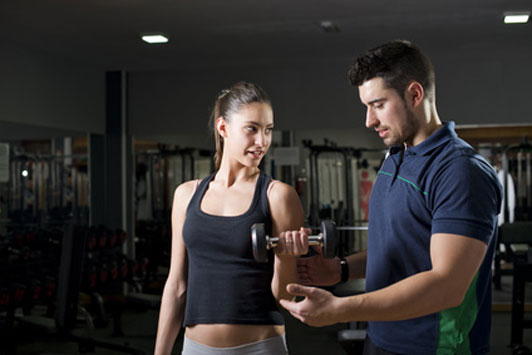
357, 265
317, 271
455, 262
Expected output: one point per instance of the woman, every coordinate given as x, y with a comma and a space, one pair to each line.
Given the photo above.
224, 298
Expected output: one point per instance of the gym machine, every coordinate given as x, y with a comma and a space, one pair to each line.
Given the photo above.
45, 187
514, 165
70, 277
340, 181
515, 162
158, 172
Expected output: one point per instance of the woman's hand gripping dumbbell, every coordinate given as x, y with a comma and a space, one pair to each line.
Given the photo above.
261, 242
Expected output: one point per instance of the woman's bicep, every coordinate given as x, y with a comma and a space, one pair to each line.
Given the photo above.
286, 209
178, 253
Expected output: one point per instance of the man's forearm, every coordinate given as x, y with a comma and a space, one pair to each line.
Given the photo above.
418, 295
455, 262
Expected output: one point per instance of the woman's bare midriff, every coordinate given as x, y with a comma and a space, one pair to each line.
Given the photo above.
228, 335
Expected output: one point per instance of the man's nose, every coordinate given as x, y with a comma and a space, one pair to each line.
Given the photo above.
371, 118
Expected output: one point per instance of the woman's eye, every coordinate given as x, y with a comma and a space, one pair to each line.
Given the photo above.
251, 128
269, 130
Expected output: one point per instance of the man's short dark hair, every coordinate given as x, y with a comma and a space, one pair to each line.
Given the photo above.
398, 63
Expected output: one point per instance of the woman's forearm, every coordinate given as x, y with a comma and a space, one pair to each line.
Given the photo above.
285, 272
170, 319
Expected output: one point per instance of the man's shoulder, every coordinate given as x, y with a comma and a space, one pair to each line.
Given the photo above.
457, 147
461, 165
457, 152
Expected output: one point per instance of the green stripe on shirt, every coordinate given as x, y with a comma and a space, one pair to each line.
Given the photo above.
405, 180
456, 323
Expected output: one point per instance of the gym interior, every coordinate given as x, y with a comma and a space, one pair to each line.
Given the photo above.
98, 128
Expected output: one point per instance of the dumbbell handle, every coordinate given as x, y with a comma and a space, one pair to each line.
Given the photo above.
272, 242
261, 242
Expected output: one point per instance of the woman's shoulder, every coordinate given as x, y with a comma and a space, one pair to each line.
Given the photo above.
186, 189
285, 206
279, 191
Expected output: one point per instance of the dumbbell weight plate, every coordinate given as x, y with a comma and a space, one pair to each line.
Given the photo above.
328, 231
258, 241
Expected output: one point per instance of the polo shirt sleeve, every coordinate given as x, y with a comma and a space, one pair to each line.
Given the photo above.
466, 198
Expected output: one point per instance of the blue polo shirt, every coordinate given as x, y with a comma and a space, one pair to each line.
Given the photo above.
441, 185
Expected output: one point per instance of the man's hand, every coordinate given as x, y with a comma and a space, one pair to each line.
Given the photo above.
319, 307
318, 271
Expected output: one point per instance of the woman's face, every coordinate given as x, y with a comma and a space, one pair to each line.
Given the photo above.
248, 133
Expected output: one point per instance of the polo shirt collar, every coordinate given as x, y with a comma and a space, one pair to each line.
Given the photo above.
442, 135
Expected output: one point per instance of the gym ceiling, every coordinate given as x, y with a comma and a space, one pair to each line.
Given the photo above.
212, 33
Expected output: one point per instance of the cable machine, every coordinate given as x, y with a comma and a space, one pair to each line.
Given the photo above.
340, 182
158, 173
46, 187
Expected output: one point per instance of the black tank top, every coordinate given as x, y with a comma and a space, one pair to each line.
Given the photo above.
225, 284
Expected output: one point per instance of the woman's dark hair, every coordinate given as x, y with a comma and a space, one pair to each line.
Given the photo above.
228, 102
398, 63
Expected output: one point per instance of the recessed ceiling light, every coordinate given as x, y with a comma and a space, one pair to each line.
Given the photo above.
329, 26
154, 37
516, 16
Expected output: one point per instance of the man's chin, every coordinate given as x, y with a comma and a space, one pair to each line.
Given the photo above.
389, 143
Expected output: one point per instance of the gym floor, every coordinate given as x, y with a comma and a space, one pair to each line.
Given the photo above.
139, 327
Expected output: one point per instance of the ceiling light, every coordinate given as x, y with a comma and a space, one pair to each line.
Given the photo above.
329, 26
154, 37
516, 16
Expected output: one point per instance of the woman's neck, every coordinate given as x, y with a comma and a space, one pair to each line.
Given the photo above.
229, 174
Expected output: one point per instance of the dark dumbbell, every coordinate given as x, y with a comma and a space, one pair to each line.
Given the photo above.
91, 275
133, 268
92, 239
20, 255
49, 287
104, 273
123, 267
262, 242
102, 237
18, 290
114, 271
121, 236
113, 239
34, 290
5, 296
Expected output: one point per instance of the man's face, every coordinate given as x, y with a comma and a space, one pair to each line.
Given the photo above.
388, 114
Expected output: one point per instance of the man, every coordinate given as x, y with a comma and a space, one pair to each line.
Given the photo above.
432, 224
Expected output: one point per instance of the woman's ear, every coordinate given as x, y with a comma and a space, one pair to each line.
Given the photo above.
221, 127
